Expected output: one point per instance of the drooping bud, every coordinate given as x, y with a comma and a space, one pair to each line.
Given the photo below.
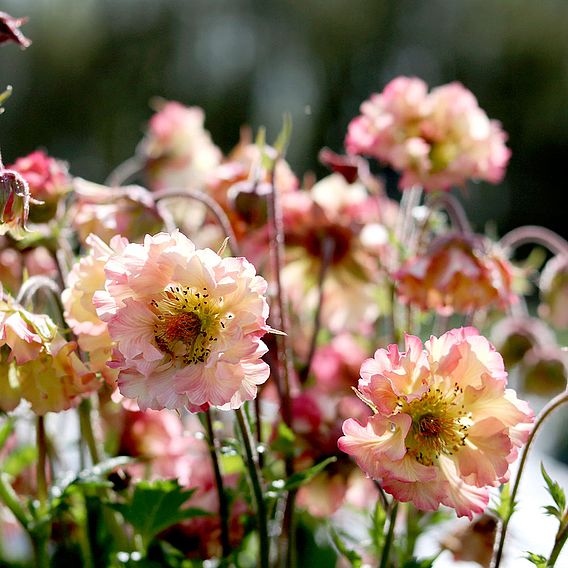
9, 30
14, 202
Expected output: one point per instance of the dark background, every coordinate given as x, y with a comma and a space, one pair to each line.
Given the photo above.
82, 90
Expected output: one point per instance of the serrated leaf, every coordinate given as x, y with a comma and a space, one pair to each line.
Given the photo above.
556, 492
155, 506
351, 555
301, 477
537, 559
553, 512
506, 507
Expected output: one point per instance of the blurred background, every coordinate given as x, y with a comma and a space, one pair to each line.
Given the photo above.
82, 90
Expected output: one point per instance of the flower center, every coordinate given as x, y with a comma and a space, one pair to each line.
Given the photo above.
187, 322
439, 424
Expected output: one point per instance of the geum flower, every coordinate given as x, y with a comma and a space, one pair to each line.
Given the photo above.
445, 426
187, 324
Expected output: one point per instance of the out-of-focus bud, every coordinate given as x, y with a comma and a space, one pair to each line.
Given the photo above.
9, 30
48, 180
513, 337
544, 370
554, 292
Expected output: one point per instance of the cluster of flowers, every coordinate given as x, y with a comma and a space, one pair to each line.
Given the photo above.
158, 321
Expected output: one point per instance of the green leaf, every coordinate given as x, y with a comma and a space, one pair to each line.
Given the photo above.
284, 441
556, 492
424, 563
537, 559
19, 459
284, 136
506, 506
351, 555
155, 506
5, 430
301, 477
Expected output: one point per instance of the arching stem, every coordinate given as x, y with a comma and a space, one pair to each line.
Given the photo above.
533, 234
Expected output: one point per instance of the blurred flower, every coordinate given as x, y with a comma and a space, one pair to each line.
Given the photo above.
48, 180
37, 261
187, 324
324, 226
86, 277
459, 273
129, 211
515, 336
38, 364
544, 370
445, 426
177, 150
9, 30
435, 140
554, 292
473, 542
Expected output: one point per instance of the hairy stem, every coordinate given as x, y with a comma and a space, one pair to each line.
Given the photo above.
390, 536
535, 235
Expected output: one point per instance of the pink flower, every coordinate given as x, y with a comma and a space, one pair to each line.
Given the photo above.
86, 277
436, 140
48, 180
445, 426
10, 30
329, 220
177, 150
187, 324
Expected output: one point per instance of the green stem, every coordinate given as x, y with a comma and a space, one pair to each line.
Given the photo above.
10, 499
87, 430
550, 407
256, 480
223, 504
390, 536
559, 542
40, 532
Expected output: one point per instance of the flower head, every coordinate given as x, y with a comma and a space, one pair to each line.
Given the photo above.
37, 364
445, 426
10, 30
436, 140
14, 202
86, 277
177, 150
459, 273
187, 324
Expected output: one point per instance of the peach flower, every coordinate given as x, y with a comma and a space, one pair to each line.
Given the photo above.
187, 324
459, 273
445, 426
86, 277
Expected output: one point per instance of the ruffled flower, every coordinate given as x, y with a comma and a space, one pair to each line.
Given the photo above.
445, 427
177, 150
437, 140
459, 273
187, 324
86, 277
38, 364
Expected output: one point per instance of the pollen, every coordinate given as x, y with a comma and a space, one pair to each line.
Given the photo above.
439, 424
188, 322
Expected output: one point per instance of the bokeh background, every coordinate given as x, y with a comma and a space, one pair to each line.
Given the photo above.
82, 90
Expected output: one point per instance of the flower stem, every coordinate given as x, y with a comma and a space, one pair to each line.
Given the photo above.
211, 204
124, 171
223, 504
256, 479
454, 210
559, 542
535, 235
87, 430
390, 536
548, 409
40, 534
